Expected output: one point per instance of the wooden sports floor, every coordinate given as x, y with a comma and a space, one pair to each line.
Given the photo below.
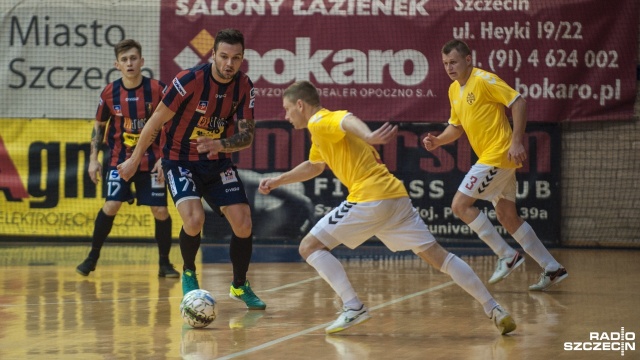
124, 311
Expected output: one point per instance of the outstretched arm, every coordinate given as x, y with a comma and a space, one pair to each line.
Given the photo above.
357, 127
303, 172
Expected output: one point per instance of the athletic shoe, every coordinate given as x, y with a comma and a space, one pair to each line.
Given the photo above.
502, 320
548, 279
505, 267
348, 318
189, 281
167, 270
87, 266
246, 295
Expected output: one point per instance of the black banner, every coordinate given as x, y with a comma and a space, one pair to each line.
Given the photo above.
431, 180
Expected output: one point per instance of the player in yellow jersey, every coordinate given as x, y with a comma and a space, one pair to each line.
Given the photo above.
478, 101
377, 205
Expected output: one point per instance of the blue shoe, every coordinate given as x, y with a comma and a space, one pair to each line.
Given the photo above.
189, 281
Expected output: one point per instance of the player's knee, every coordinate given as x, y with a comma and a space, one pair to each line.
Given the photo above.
193, 224
160, 212
111, 207
308, 246
458, 208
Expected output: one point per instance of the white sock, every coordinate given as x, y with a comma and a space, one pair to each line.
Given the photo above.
527, 238
464, 276
487, 233
332, 271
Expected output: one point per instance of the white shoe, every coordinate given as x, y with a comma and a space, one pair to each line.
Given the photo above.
548, 279
348, 318
502, 320
505, 267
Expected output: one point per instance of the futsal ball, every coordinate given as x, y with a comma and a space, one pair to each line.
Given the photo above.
198, 308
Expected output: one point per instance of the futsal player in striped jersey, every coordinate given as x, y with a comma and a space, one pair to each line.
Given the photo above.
478, 101
377, 205
206, 114
123, 109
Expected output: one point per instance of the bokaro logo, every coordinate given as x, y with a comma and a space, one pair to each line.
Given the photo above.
407, 67
605, 341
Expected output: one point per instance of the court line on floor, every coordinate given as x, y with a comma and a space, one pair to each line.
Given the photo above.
318, 327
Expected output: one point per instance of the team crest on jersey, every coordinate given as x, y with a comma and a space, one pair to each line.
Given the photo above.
117, 109
228, 176
471, 98
202, 106
114, 175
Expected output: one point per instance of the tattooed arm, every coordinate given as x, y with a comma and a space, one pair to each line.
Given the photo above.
97, 135
236, 142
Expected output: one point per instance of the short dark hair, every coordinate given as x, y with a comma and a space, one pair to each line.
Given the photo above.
302, 90
126, 45
228, 36
458, 45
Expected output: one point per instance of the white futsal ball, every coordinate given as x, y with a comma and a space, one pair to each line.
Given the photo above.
198, 308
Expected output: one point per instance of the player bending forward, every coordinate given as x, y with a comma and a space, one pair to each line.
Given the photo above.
378, 204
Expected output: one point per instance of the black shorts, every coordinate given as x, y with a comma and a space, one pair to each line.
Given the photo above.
148, 190
215, 181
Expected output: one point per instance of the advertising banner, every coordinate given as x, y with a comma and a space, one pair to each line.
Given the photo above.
431, 179
571, 60
45, 189
58, 55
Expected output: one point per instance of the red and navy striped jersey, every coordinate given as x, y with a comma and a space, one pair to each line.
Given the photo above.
204, 107
128, 110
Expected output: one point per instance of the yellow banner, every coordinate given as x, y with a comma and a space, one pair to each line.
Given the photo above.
45, 189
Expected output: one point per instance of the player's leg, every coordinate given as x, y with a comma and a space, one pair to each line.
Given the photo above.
486, 182
184, 185
153, 193
226, 190
405, 230
117, 190
522, 232
462, 274
350, 224
240, 251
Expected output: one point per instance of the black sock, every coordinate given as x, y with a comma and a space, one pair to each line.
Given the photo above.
101, 230
163, 238
189, 246
240, 250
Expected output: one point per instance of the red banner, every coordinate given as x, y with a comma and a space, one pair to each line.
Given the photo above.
571, 60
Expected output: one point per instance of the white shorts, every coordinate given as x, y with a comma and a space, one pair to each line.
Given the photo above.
394, 221
489, 183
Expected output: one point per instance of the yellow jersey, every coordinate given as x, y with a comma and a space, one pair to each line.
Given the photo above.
354, 162
479, 106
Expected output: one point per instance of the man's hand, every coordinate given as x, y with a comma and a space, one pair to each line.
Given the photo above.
382, 135
95, 171
210, 146
517, 153
266, 185
127, 169
430, 142
157, 168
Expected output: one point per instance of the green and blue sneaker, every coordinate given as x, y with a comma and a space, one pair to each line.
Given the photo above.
246, 295
189, 281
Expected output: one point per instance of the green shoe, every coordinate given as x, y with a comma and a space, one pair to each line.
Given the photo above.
246, 295
189, 281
